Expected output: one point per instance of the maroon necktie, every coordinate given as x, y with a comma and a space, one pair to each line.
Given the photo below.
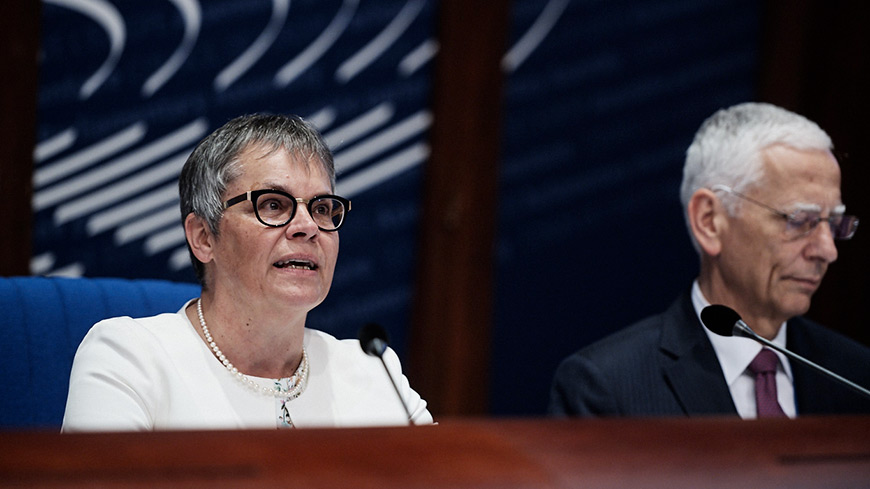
763, 366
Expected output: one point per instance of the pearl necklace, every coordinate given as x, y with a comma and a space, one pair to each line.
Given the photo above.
299, 379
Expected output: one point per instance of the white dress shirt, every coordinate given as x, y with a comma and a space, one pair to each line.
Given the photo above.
735, 354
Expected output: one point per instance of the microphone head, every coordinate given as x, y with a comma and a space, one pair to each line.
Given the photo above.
720, 319
373, 339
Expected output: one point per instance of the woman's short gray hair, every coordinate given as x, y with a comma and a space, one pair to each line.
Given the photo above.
214, 163
727, 148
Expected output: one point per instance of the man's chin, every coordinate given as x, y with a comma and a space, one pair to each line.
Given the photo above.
796, 305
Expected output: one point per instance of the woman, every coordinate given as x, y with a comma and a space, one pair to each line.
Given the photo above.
261, 225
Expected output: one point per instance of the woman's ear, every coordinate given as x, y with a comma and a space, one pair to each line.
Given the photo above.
199, 237
707, 220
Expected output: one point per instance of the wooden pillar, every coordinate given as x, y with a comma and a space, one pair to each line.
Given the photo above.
452, 316
19, 45
816, 61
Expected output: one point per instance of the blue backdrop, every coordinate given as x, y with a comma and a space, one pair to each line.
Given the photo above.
601, 100
597, 121
128, 88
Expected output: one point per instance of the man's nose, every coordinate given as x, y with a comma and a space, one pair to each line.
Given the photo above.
822, 244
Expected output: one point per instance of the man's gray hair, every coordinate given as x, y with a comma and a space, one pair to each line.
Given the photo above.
727, 148
214, 163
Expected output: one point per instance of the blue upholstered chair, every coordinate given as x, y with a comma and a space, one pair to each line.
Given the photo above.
43, 321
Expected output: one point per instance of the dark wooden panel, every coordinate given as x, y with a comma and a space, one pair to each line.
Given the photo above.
816, 61
661, 453
450, 332
19, 42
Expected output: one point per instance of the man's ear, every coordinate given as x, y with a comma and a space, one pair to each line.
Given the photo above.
707, 220
199, 237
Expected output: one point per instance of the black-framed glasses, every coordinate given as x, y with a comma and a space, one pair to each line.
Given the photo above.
276, 208
802, 222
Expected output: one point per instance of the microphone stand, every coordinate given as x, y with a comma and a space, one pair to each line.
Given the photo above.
746, 331
373, 342
398, 393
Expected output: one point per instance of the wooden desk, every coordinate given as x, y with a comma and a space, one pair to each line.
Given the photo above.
657, 453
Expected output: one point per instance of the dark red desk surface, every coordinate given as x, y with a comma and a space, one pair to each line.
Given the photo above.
459, 453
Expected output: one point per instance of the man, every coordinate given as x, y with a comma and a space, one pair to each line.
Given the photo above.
761, 197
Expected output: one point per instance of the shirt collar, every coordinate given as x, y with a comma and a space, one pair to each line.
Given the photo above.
734, 352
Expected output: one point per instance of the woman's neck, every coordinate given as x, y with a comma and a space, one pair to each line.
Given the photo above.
260, 341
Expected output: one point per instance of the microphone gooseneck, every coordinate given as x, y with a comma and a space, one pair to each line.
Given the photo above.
373, 340
725, 321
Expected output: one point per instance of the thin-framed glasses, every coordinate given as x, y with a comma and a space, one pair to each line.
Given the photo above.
276, 208
802, 222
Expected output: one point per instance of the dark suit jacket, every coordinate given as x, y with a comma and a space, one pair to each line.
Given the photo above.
665, 365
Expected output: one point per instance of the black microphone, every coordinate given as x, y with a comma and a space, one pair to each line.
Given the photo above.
373, 340
725, 321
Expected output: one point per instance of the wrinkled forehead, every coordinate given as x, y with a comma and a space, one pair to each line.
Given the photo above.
799, 177
263, 149
780, 161
249, 160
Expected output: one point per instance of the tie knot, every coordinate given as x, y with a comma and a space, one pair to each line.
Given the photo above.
765, 362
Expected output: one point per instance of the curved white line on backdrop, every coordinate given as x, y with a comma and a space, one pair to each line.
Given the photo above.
89, 156
323, 118
382, 171
110, 196
127, 211
164, 240
530, 41
123, 165
179, 259
394, 135
358, 127
55, 145
255, 51
41, 264
418, 57
191, 14
376, 47
150, 224
108, 17
315, 50
73, 270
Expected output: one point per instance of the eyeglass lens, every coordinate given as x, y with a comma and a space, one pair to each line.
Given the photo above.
277, 209
803, 223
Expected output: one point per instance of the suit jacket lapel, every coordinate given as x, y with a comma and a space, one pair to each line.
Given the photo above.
689, 363
813, 393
